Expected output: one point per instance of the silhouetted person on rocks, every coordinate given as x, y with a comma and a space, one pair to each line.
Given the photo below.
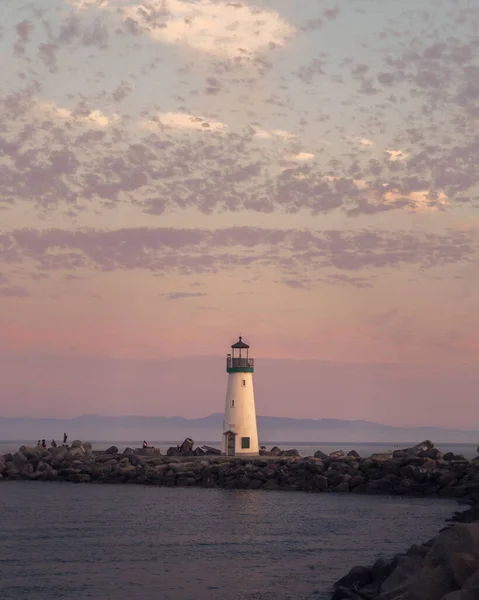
65, 437
145, 444
44, 445
54, 444
39, 443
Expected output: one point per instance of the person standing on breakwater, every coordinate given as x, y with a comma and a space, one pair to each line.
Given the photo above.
65, 437
54, 444
44, 444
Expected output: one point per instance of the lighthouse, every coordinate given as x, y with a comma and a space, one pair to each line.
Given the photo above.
240, 433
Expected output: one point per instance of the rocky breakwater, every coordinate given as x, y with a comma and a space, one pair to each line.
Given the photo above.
418, 471
443, 568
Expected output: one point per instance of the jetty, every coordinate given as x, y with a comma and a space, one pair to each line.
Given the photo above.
445, 568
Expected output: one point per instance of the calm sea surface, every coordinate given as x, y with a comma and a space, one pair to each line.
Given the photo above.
122, 542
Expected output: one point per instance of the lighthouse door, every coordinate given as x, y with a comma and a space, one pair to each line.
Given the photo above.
230, 444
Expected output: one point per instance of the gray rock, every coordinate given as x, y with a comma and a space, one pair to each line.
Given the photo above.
462, 538
402, 577
186, 447
337, 454
471, 594
87, 447
75, 452
19, 459
432, 583
320, 454
76, 444
112, 450
353, 454
463, 566
31, 452
357, 577
472, 582
292, 452
211, 450
173, 451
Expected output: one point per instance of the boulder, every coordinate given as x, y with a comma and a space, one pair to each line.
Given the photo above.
31, 452
88, 448
211, 450
432, 583
431, 453
337, 454
461, 538
463, 566
76, 444
353, 454
173, 451
357, 577
415, 450
76, 452
471, 594
186, 447
19, 459
275, 451
320, 454
111, 450
292, 452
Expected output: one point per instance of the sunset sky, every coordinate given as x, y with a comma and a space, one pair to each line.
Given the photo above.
176, 173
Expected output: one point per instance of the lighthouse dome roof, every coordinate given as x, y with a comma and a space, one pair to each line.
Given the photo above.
240, 344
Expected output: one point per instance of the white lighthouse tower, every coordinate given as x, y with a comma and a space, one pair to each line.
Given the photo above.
240, 433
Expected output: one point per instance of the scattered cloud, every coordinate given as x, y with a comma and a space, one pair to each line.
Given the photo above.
82, 115
365, 142
184, 121
229, 29
196, 251
14, 291
420, 201
274, 133
300, 156
396, 155
182, 295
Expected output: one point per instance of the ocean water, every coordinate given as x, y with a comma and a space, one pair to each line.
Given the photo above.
304, 448
133, 542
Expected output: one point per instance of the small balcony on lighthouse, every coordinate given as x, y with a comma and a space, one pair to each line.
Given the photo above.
239, 361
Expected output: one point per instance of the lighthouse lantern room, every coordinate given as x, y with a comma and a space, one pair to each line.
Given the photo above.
240, 433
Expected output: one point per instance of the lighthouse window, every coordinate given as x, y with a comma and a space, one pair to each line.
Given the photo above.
244, 383
245, 442
233, 403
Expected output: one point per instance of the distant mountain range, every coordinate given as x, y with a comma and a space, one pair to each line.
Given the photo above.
174, 429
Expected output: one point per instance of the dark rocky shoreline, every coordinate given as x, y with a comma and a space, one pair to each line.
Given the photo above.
445, 568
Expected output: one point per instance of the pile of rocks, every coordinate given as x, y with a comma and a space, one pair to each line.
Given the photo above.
411, 474
187, 449
445, 568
